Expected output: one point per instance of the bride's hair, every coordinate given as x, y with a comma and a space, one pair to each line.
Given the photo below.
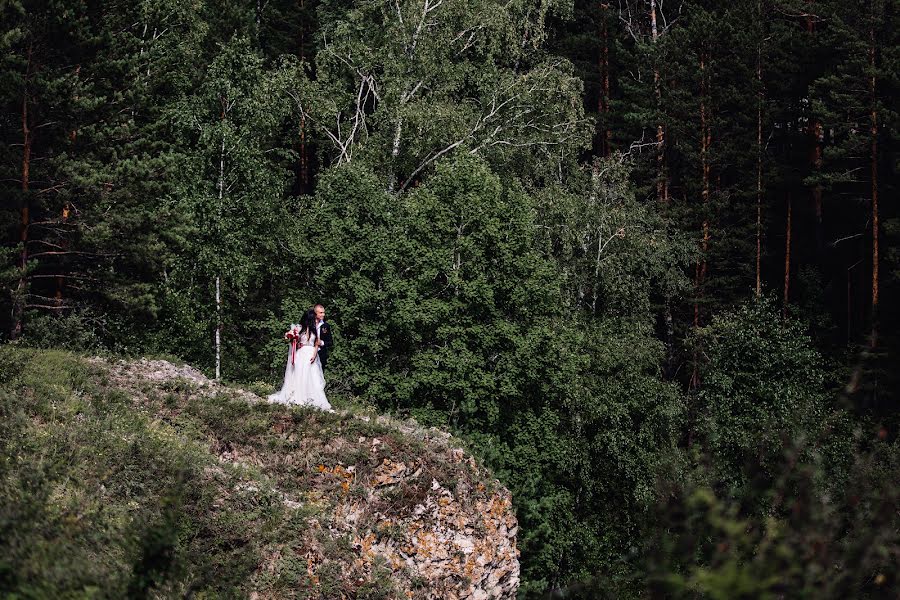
308, 323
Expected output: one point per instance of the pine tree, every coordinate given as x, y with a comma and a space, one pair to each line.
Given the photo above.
852, 99
42, 47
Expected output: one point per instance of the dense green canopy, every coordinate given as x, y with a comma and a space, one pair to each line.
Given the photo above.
635, 253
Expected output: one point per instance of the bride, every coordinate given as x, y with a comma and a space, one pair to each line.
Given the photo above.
304, 382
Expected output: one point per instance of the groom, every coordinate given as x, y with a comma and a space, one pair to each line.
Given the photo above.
323, 331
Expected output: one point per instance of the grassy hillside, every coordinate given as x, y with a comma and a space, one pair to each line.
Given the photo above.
144, 479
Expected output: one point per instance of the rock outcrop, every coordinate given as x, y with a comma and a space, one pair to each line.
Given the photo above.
374, 507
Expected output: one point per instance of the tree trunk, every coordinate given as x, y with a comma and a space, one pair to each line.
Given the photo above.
603, 103
816, 139
302, 43
669, 338
787, 254
64, 213
304, 158
64, 243
874, 168
395, 152
218, 341
759, 179
662, 185
218, 328
816, 134
700, 267
18, 308
305, 182
705, 140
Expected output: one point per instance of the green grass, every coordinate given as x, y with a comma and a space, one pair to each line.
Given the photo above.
113, 485
100, 500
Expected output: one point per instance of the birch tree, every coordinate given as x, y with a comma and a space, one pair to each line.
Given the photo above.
402, 84
232, 183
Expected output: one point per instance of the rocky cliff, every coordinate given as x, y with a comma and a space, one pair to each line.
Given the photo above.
371, 507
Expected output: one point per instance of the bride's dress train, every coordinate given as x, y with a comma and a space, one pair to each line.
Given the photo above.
304, 382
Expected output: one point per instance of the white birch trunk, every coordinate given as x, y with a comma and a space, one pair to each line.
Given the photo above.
218, 342
218, 329
759, 180
395, 152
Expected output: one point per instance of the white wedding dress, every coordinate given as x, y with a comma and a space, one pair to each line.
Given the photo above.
304, 382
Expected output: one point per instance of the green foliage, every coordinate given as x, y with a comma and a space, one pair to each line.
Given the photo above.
763, 387
482, 269
810, 542
617, 254
440, 297
581, 463
230, 193
401, 85
449, 313
97, 499
77, 330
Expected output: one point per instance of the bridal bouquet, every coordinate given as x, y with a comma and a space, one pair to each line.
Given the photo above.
292, 335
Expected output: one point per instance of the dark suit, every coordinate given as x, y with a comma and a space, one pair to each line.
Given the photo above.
327, 342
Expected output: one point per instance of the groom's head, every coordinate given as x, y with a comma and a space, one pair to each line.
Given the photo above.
320, 312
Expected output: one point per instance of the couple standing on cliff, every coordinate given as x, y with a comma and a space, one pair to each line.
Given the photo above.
304, 375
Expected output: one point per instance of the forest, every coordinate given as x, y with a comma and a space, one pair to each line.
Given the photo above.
642, 255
